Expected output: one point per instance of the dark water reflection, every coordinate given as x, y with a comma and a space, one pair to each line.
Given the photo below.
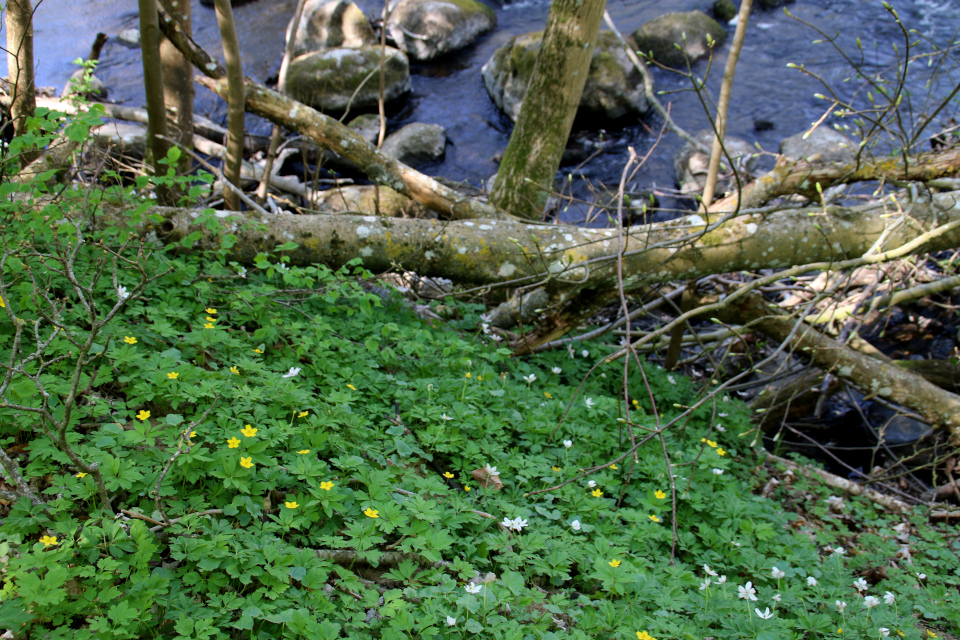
451, 92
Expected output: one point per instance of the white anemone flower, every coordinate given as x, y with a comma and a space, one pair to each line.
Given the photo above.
491, 471
575, 525
811, 581
717, 472
721, 579
861, 585
839, 551
889, 598
451, 621
557, 370
585, 353
473, 588
444, 416
590, 402
530, 378
293, 371
705, 584
592, 483
766, 614
122, 293
884, 632
507, 523
568, 443
747, 592
776, 597
870, 602
519, 524
841, 605
707, 570
777, 573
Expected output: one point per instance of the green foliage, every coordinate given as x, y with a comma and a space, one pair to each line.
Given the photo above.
277, 453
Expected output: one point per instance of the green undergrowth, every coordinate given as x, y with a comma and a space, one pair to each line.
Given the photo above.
212, 451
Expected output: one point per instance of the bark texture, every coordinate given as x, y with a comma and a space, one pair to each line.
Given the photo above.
153, 80
530, 163
234, 96
178, 91
19, 23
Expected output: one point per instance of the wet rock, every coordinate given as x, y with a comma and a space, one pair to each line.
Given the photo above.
121, 139
416, 143
129, 38
614, 89
691, 165
425, 29
367, 126
691, 30
331, 25
724, 10
95, 91
773, 4
329, 80
830, 145
372, 201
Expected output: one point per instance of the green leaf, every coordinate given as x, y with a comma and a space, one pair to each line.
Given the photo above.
173, 419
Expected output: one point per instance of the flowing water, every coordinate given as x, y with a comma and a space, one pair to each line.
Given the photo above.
769, 102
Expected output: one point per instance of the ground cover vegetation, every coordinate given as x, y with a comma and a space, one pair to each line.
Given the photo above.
192, 448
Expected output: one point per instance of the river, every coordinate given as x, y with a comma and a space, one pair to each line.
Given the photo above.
451, 92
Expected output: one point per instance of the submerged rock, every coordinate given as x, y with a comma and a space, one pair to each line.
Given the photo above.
127, 139
823, 143
367, 126
692, 165
331, 25
372, 201
416, 143
691, 30
332, 80
426, 29
614, 89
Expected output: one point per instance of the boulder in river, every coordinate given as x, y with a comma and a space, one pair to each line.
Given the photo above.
367, 126
692, 30
614, 89
416, 143
692, 165
372, 201
331, 25
823, 143
335, 79
426, 29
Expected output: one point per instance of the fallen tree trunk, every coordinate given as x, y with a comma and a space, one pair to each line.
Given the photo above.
802, 177
896, 384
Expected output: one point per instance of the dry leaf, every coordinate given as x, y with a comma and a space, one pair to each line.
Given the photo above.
486, 479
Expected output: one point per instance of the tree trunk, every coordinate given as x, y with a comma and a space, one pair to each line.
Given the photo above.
530, 164
153, 80
178, 88
20, 69
235, 102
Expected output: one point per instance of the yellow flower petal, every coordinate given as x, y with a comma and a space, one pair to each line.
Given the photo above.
303, 414
303, 452
291, 505
129, 339
655, 518
555, 468
258, 350
209, 319
660, 494
547, 395
371, 513
249, 431
614, 467
210, 311
447, 474
596, 493
326, 486
350, 386
173, 375
193, 434
468, 375
208, 326
246, 463
143, 415
234, 370
721, 452
466, 488
614, 563
49, 541
233, 443
80, 475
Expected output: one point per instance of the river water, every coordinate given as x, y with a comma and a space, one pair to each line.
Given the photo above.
451, 92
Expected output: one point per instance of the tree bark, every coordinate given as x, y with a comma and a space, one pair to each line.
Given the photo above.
178, 91
19, 24
530, 164
153, 80
235, 102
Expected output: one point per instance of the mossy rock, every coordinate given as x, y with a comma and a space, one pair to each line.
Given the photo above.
724, 10
427, 29
331, 80
373, 201
331, 25
692, 31
613, 91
